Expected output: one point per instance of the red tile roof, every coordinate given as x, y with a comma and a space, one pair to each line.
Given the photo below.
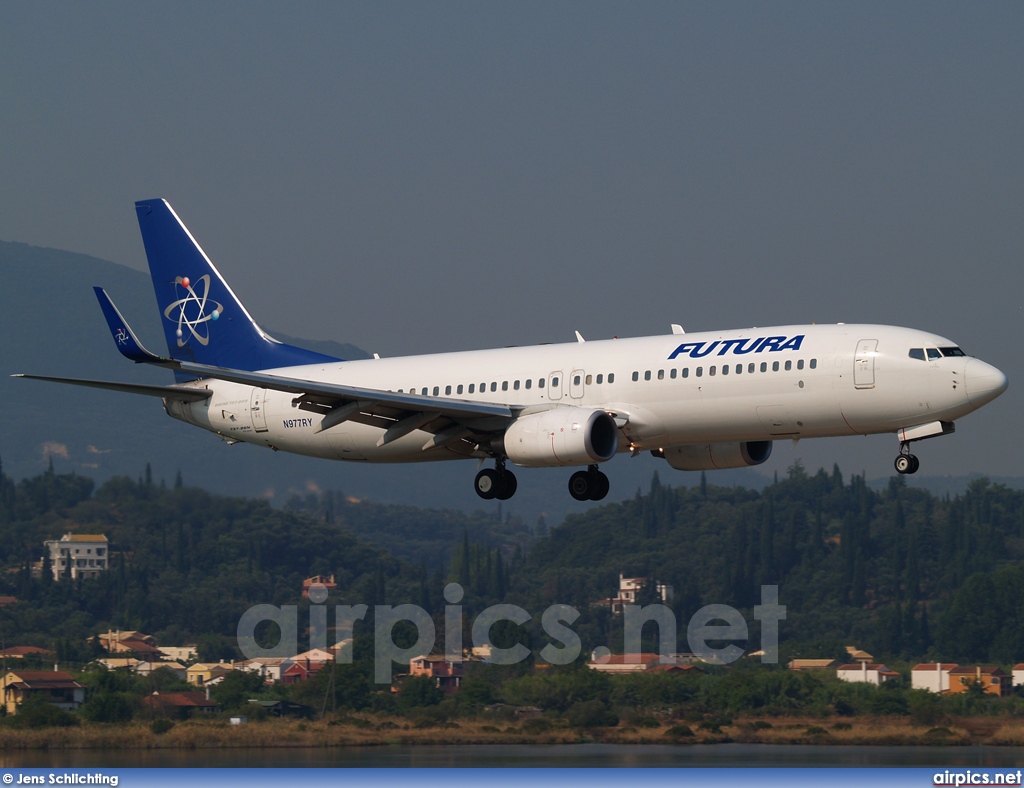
192, 699
973, 670
22, 651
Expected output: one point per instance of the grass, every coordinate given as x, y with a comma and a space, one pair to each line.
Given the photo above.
365, 730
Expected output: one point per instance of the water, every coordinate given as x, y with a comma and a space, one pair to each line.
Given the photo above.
524, 755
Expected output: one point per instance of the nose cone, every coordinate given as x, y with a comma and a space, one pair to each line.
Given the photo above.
984, 382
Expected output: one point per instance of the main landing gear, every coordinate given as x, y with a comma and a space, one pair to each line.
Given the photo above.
906, 462
496, 482
588, 485
499, 482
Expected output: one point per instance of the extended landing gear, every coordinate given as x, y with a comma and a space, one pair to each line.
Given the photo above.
496, 482
588, 485
906, 462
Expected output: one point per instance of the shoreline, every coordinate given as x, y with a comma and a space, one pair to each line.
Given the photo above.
366, 731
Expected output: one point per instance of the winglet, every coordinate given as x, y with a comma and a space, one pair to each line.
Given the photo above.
124, 337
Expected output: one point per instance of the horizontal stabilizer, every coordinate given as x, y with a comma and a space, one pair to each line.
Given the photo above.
164, 392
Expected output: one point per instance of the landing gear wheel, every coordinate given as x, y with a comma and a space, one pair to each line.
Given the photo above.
588, 485
579, 485
509, 486
907, 463
487, 483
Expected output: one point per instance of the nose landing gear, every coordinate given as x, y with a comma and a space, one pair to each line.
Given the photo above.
906, 462
496, 482
588, 485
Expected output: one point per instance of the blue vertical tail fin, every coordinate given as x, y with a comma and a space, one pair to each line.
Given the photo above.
203, 320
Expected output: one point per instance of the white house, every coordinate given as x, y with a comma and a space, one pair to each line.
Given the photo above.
868, 672
932, 676
629, 591
78, 555
146, 668
270, 668
179, 653
1018, 674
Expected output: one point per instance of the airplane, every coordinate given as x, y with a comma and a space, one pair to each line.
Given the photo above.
701, 401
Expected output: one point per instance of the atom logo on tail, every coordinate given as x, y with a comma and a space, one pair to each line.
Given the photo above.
190, 311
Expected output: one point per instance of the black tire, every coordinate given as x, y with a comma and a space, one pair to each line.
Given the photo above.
601, 486
488, 484
904, 463
509, 486
580, 486
914, 464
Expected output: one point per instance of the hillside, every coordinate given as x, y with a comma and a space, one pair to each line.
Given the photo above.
899, 572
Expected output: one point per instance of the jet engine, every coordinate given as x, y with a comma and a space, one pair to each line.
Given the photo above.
712, 456
561, 436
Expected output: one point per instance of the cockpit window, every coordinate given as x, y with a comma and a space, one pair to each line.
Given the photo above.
952, 351
933, 353
917, 352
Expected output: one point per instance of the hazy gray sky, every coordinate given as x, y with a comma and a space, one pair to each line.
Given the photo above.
434, 176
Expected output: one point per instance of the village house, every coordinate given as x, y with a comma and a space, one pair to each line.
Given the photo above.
269, 668
131, 642
1018, 674
642, 662
630, 589
180, 705
21, 652
77, 555
146, 668
294, 672
203, 673
302, 666
868, 672
54, 686
325, 581
117, 663
283, 708
931, 676
179, 653
812, 664
857, 655
446, 673
991, 679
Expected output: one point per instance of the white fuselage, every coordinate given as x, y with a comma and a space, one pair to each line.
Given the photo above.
744, 385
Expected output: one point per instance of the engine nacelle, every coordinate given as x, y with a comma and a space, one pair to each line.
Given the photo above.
713, 456
561, 436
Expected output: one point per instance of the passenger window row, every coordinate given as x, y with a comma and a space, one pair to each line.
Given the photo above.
516, 385
726, 369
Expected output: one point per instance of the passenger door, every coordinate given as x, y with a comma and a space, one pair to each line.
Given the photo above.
864, 364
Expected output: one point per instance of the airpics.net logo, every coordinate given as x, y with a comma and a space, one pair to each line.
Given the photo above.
190, 311
710, 624
971, 777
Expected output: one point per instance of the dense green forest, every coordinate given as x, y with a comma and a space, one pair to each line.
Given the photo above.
899, 572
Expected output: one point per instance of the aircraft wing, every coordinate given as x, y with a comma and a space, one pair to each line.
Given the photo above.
451, 420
